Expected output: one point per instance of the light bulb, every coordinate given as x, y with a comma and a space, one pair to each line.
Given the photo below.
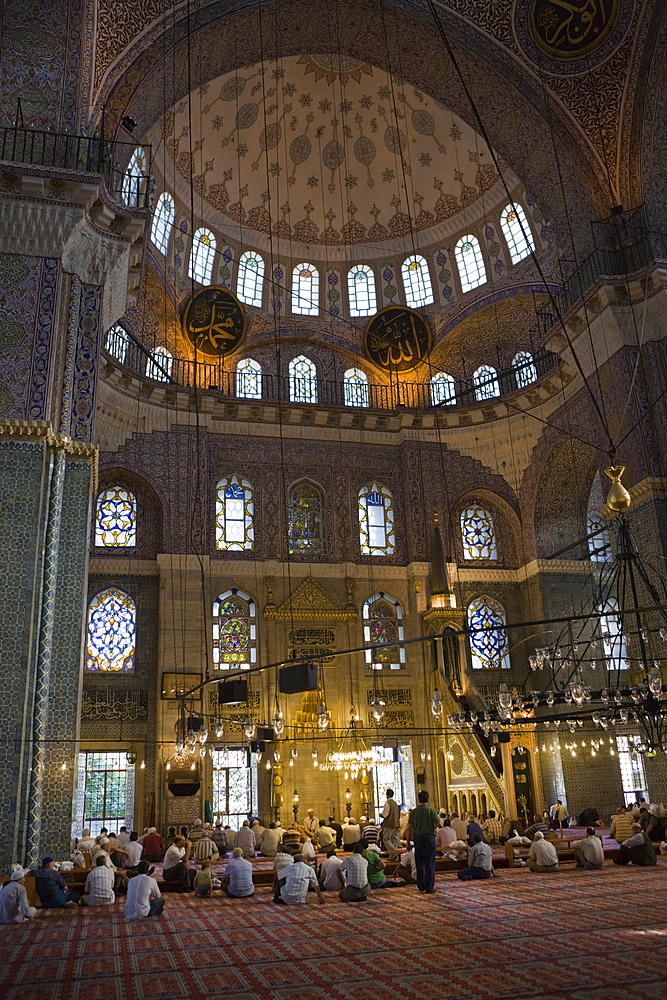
63, 766
168, 768
278, 722
377, 707
291, 763
268, 764
193, 766
248, 727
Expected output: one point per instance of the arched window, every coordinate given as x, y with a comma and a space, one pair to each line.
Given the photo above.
163, 222
234, 511
443, 389
116, 343
470, 263
112, 621
478, 534
613, 640
488, 648
383, 628
305, 290
416, 282
361, 290
304, 518
376, 521
134, 178
248, 379
201, 256
516, 231
599, 547
355, 386
250, 279
486, 383
159, 365
525, 371
116, 518
302, 380
234, 631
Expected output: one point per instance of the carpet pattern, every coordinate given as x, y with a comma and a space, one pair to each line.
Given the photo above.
576, 935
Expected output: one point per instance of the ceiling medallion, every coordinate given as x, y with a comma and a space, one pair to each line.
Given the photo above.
215, 321
574, 36
397, 338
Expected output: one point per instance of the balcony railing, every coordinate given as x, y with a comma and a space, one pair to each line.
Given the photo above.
81, 153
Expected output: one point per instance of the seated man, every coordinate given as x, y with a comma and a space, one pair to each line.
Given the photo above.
99, 885
237, 880
295, 880
143, 894
204, 880
407, 869
269, 841
283, 858
473, 828
134, 851
87, 842
589, 851
538, 826
376, 876
491, 828
325, 837
621, 825
370, 831
328, 873
459, 826
205, 849
651, 825
196, 832
153, 845
14, 906
52, 887
351, 832
219, 838
542, 856
445, 836
480, 861
353, 876
175, 869
638, 850
245, 839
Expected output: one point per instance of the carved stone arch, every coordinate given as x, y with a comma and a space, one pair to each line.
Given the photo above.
561, 498
507, 526
309, 482
149, 515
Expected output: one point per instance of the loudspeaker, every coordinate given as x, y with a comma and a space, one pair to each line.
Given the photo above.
184, 789
232, 692
265, 734
421, 778
194, 723
299, 677
257, 746
503, 737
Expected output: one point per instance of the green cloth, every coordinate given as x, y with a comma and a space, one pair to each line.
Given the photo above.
423, 819
375, 873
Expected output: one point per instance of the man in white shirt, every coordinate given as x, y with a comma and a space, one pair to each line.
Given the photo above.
281, 862
269, 841
134, 850
99, 885
325, 837
407, 868
558, 814
14, 906
445, 836
245, 839
328, 873
123, 836
354, 871
296, 880
143, 895
480, 861
459, 826
589, 852
351, 832
237, 880
542, 856
87, 843
311, 821
175, 866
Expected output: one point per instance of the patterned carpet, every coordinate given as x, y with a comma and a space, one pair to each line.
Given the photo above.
572, 936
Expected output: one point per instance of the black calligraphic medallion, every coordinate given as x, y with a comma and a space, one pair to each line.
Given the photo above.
215, 321
566, 29
397, 339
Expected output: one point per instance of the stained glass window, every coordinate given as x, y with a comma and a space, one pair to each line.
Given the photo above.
234, 631
525, 371
443, 389
416, 282
613, 640
516, 231
489, 649
304, 518
486, 383
234, 786
111, 631
599, 547
302, 380
355, 387
163, 222
383, 628
376, 521
134, 178
116, 343
250, 278
470, 262
234, 511
107, 796
116, 518
248, 379
305, 290
361, 290
478, 534
201, 256
159, 365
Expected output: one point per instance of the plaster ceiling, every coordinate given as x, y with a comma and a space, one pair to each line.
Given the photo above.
323, 150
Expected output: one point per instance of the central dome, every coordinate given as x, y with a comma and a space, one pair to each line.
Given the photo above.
322, 151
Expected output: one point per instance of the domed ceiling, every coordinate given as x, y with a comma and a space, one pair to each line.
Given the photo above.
323, 150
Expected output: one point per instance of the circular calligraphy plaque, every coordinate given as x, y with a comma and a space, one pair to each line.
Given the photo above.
570, 30
397, 338
215, 321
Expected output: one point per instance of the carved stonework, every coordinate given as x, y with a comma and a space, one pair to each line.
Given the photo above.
310, 602
122, 704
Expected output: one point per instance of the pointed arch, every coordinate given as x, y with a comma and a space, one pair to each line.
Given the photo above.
442, 388
159, 364
250, 280
112, 624
383, 628
376, 521
248, 379
361, 290
478, 533
116, 518
485, 381
302, 380
133, 186
117, 342
234, 631
524, 369
489, 649
470, 262
305, 517
416, 281
355, 387
163, 222
234, 513
517, 233
201, 256
305, 290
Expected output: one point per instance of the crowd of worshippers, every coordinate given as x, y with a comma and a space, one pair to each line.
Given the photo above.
121, 863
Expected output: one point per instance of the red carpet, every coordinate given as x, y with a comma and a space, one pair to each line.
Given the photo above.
572, 936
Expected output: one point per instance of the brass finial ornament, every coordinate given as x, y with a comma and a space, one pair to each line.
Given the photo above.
618, 497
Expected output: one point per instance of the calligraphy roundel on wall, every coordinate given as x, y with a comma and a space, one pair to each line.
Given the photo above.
215, 321
568, 38
397, 338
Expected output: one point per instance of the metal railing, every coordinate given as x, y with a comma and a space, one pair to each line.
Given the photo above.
81, 153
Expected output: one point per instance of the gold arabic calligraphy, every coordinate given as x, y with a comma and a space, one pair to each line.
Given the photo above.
397, 338
215, 321
568, 28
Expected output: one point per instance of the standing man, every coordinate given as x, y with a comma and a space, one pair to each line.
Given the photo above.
559, 815
390, 823
422, 824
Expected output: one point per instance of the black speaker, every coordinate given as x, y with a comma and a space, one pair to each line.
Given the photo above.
257, 746
265, 734
184, 789
299, 677
421, 778
503, 737
232, 692
195, 723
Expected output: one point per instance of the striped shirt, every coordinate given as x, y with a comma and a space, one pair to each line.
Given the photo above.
370, 833
492, 829
99, 885
204, 850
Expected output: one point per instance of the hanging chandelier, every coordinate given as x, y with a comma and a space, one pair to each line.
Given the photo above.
352, 754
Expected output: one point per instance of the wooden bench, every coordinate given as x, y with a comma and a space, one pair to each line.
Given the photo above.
76, 880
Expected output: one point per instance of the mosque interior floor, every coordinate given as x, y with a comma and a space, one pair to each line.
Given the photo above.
575, 935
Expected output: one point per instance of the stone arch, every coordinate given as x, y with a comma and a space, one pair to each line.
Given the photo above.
149, 514
506, 522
